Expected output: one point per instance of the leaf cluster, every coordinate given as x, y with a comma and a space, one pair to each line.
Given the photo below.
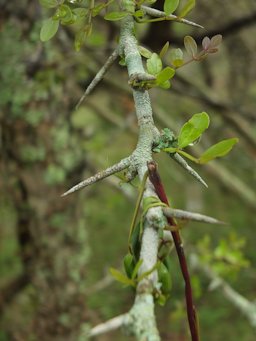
175, 59
81, 12
191, 132
154, 66
227, 258
132, 261
170, 6
71, 12
209, 46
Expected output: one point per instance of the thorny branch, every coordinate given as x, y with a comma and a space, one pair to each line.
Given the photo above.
140, 320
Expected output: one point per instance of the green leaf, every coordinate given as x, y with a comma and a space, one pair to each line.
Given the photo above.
62, 11
146, 273
164, 50
170, 6
164, 278
49, 29
139, 14
80, 12
149, 202
122, 61
79, 15
218, 150
136, 268
170, 150
187, 8
166, 85
188, 156
192, 129
96, 10
190, 45
154, 64
134, 242
129, 264
164, 75
65, 14
49, 3
81, 36
176, 57
144, 52
120, 277
161, 300
114, 16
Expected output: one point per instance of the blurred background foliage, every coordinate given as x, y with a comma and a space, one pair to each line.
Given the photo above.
55, 252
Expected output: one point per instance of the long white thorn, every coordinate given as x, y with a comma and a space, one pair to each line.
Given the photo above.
99, 76
186, 215
189, 169
159, 14
123, 164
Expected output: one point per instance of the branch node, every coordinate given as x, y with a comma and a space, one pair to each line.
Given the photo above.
141, 80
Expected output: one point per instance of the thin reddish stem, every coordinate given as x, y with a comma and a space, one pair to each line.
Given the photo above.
191, 312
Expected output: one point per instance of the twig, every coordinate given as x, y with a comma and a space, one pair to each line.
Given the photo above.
107, 326
123, 164
189, 169
100, 74
159, 14
180, 214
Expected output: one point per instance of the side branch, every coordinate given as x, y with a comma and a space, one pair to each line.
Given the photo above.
123, 164
99, 76
159, 14
240, 302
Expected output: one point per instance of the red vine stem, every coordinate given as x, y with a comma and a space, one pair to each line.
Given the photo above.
191, 312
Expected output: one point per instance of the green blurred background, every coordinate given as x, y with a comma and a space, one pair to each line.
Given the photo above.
55, 253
